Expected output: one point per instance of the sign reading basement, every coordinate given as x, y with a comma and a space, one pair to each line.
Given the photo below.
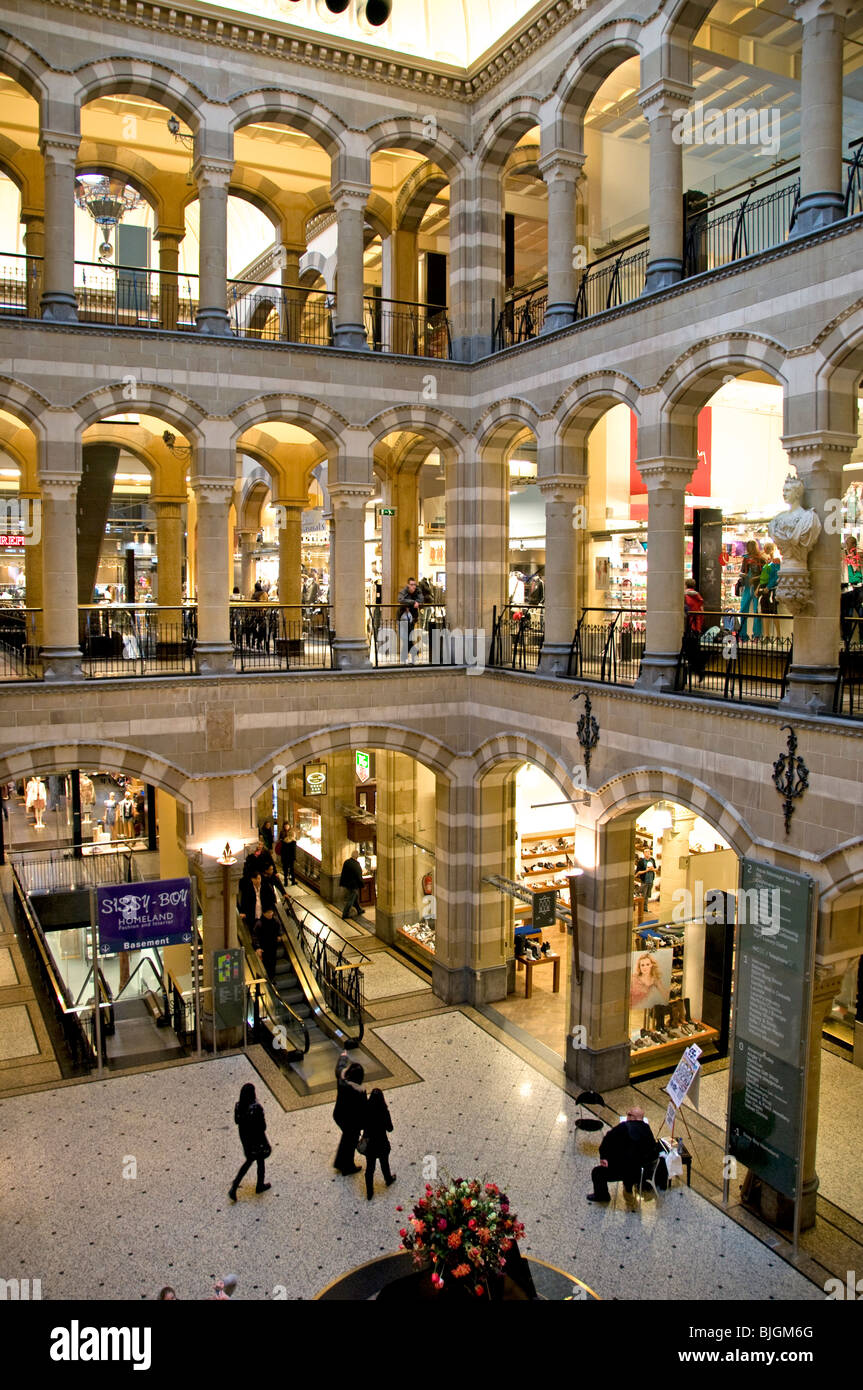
133, 916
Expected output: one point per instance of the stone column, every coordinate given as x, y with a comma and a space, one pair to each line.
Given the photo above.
169, 279
61, 652
666, 481
477, 537
561, 170
293, 297
564, 510
347, 584
819, 459
822, 199
247, 562
476, 258
169, 570
213, 882
34, 244
291, 554
659, 103
213, 567
213, 177
59, 153
350, 204
400, 533
33, 563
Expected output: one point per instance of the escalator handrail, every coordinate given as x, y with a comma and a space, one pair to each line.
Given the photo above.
244, 936
339, 1029
57, 984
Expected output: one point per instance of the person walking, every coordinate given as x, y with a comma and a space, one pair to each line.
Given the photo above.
257, 860
250, 1119
265, 833
287, 851
376, 1129
349, 1113
351, 878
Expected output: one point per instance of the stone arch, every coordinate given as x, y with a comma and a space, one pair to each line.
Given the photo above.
684, 18
519, 748
418, 419
131, 171
512, 411
252, 500
23, 402
415, 195
587, 400
593, 61
412, 133
507, 125
9, 163
25, 66
142, 78
293, 109
523, 162
839, 351
639, 787
689, 383
47, 758
389, 738
313, 266
325, 424
149, 399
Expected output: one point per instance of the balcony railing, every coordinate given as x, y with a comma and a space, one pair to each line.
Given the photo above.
517, 635
136, 640
129, 297
741, 225
397, 639
413, 330
19, 643
20, 284
276, 313
608, 645
282, 637
735, 656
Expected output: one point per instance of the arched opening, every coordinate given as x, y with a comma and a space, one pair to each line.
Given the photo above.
22, 222
409, 270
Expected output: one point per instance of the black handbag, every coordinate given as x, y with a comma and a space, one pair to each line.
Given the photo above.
362, 1145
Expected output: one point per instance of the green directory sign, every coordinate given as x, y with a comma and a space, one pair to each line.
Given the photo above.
229, 990
772, 1008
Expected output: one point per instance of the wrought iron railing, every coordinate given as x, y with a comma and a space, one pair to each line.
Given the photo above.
20, 657
335, 965
282, 637
854, 180
281, 313
608, 645
521, 318
517, 635
398, 637
20, 284
412, 329
741, 225
735, 656
134, 297
61, 870
136, 639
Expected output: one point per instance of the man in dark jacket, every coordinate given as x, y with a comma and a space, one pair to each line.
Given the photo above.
258, 911
623, 1153
349, 1114
257, 860
352, 879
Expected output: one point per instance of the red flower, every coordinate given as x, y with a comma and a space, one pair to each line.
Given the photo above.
460, 1271
454, 1240
478, 1290
441, 1223
403, 1233
471, 1225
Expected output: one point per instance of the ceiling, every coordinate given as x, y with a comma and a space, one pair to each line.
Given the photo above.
456, 32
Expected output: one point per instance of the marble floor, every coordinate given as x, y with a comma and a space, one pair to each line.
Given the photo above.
113, 1188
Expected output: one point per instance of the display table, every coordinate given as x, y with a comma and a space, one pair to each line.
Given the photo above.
530, 965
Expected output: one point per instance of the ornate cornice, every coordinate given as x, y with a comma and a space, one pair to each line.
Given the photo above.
345, 58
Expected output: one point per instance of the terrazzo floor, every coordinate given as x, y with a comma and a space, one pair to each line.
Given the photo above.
840, 1171
74, 1215
17, 1038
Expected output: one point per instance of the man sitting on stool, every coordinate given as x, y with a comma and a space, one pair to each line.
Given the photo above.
623, 1153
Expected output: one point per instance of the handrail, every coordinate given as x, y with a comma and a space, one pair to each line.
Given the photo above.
291, 1020
338, 1006
52, 977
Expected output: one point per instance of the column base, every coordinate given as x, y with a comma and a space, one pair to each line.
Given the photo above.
466, 986
598, 1069
558, 316
658, 672
214, 322
59, 307
662, 273
811, 689
818, 210
553, 660
62, 664
214, 659
351, 336
350, 654
387, 924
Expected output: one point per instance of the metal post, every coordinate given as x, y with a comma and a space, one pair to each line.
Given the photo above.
151, 818
195, 973
94, 930
77, 832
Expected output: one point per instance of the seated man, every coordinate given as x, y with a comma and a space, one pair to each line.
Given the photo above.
624, 1151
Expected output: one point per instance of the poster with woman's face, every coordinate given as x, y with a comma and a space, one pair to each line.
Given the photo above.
651, 978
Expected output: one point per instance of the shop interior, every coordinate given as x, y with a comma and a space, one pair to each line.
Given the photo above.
117, 811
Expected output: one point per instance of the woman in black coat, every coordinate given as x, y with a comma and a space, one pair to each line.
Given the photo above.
249, 1117
288, 853
349, 1114
378, 1126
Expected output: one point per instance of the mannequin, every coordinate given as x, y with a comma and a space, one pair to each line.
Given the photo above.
88, 796
36, 799
126, 815
110, 817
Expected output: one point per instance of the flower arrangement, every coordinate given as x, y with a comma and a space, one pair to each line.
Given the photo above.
463, 1230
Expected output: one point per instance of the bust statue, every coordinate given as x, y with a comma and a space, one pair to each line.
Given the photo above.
795, 532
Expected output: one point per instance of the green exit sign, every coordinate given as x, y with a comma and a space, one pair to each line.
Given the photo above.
388, 511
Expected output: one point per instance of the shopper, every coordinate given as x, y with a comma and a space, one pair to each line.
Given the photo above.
251, 1122
351, 879
223, 1289
694, 618
852, 590
349, 1114
767, 585
747, 588
167, 1295
286, 848
258, 860
258, 911
376, 1129
265, 833
410, 600
625, 1152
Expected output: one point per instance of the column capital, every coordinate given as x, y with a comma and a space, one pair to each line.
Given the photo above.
59, 145
213, 490
664, 97
169, 234
350, 197
807, 10
33, 216
349, 496
666, 473
165, 500
212, 173
59, 487
562, 166
818, 450
562, 486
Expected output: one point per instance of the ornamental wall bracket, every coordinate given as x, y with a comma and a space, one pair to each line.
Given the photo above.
587, 731
790, 776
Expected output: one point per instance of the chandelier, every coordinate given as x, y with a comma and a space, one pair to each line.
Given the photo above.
371, 14
107, 199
